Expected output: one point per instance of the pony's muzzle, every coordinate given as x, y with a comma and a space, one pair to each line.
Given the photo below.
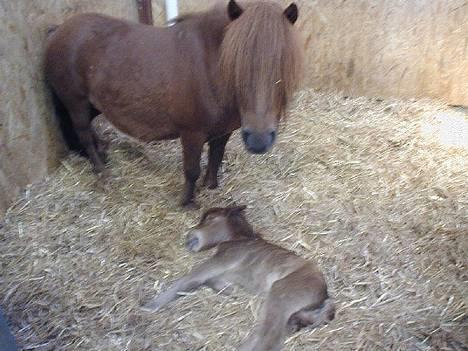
258, 143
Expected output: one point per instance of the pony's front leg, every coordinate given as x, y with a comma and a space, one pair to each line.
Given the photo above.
192, 146
215, 157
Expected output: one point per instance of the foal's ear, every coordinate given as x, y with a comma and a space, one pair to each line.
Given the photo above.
292, 13
236, 210
234, 10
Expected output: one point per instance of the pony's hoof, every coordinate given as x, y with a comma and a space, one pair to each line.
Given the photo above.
104, 175
103, 180
190, 205
210, 183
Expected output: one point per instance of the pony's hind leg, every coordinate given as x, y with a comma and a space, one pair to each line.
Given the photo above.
80, 115
192, 146
101, 146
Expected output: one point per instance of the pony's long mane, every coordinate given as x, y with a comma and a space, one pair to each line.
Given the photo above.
260, 57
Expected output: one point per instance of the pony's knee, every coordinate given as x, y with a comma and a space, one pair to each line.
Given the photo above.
192, 174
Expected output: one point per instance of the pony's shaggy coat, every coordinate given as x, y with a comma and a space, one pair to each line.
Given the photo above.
198, 80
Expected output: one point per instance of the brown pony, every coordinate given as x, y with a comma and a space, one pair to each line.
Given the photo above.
198, 80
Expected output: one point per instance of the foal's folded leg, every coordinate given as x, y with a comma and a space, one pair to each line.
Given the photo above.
313, 317
270, 329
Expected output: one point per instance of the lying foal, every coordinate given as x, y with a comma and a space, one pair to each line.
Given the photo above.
296, 292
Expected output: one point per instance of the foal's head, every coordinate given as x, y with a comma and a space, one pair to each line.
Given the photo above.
218, 225
260, 67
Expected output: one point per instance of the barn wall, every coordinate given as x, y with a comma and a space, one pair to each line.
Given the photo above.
402, 48
384, 48
29, 142
411, 48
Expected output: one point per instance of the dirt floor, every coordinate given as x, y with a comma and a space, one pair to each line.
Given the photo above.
374, 191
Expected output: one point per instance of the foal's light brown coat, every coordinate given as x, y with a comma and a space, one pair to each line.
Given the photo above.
295, 290
198, 80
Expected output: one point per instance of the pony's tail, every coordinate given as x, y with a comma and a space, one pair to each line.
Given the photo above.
66, 125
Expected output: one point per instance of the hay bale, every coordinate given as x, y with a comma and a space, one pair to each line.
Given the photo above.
355, 184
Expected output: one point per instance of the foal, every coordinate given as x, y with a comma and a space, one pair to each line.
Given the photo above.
295, 289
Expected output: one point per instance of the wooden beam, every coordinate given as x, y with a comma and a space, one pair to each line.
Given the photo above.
145, 12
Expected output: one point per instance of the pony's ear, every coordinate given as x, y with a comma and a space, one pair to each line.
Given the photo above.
292, 13
236, 210
234, 10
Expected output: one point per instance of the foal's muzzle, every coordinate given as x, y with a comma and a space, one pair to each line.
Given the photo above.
258, 143
192, 241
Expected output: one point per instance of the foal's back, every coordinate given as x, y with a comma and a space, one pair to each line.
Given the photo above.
259, 264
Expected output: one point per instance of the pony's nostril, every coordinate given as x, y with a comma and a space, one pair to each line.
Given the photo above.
245, 135
273, 136
258, 142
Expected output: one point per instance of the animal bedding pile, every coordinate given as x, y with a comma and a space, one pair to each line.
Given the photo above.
374, 191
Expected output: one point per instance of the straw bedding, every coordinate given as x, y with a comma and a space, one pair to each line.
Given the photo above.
362, 186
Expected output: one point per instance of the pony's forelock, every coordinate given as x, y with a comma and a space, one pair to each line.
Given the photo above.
260, 57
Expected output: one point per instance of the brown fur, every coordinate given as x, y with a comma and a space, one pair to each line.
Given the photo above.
294, 288
178, 82
250, 64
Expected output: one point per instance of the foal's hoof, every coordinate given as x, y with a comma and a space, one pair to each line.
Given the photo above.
151, 307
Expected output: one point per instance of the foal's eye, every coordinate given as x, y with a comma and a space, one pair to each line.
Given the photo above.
210, 217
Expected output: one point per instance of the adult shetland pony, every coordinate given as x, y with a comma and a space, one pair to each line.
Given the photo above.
199, 80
